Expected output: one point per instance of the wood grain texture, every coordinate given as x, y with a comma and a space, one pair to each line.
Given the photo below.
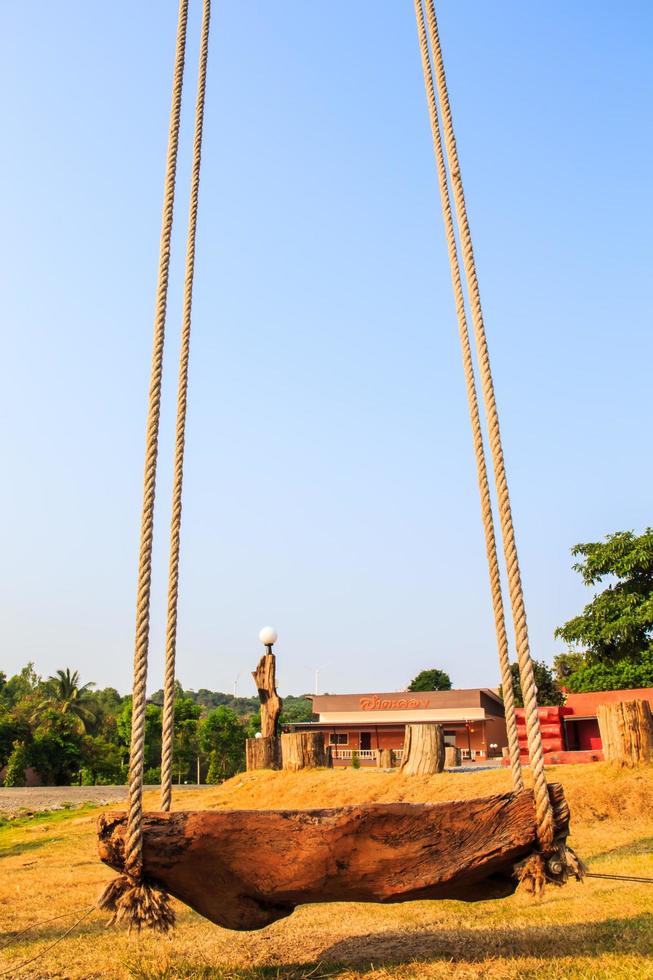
265, 678
303, 750
626, 732
423, 750
244, 869
263, 753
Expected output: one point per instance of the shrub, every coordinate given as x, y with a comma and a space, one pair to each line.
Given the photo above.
213, 776
16, 766
355, 760
152, 776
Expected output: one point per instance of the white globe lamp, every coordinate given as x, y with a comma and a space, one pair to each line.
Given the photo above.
268, 637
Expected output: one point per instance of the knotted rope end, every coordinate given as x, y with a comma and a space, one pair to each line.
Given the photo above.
137, 904
538, 870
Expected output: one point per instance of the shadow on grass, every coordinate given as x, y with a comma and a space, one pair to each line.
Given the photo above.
474, 945
12, 850
644, 845
634, 934
189, 971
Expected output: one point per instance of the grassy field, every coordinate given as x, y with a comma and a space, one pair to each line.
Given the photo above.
600, 929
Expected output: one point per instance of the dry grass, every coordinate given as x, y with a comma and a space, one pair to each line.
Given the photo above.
600, 929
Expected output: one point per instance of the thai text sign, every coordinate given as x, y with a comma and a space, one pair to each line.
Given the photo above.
375, 703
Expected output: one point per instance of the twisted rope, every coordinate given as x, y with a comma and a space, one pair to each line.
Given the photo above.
182, 400
472, 400
134, 841
544, 814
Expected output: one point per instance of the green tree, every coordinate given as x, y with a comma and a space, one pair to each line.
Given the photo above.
56, 751
66, 695
296, 710
548, 691
24, 687
617, 625
431, 680
152, 755
611, 676
213, 775
222, 736
566, 664
185, 746
12, 729
102, 762
16, 766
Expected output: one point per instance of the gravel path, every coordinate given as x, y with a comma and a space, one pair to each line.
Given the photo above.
32, 798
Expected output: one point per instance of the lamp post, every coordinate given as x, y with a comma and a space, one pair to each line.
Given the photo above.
268, 637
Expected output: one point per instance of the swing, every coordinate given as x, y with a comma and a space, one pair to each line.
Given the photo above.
246, 869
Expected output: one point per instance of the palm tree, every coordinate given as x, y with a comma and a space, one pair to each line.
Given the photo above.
69, 697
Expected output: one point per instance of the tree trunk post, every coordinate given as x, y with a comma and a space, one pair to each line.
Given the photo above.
266, 684
423, 750
626, 732
263, 753
384, 758
303, 750
452, 756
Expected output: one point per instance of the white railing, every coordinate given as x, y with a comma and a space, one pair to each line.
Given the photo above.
347, 753
362, 753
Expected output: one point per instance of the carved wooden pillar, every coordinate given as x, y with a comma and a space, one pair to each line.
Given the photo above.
265, 752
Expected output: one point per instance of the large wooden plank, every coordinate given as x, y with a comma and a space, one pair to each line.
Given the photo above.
243, 869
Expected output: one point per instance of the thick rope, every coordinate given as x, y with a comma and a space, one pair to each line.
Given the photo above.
134, 839
182, 400
472, 399
544, 813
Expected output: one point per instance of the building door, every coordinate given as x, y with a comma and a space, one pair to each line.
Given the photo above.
366, 740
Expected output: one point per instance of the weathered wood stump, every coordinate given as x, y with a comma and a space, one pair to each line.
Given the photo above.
263, 753
452, 756
271, 704
244, 869
626, 732
423, 750
384, 758
303, 750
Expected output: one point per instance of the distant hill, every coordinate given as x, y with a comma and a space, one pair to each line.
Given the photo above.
295, 708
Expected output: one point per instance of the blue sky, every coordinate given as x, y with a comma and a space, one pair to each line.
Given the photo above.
330, 483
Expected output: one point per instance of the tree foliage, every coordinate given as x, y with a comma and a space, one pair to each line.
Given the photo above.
431, 680
67, 696
548, 691
68, 731
616, 675
617, 625
222, 736
17, 764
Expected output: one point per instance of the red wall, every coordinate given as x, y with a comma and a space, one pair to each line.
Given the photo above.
583, 733
584, 705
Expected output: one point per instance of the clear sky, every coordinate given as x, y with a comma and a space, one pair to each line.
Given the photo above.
330, 482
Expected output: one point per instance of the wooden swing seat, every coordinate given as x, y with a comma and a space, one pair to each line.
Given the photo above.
244, 869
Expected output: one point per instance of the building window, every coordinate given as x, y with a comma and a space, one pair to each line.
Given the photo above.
339, 738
